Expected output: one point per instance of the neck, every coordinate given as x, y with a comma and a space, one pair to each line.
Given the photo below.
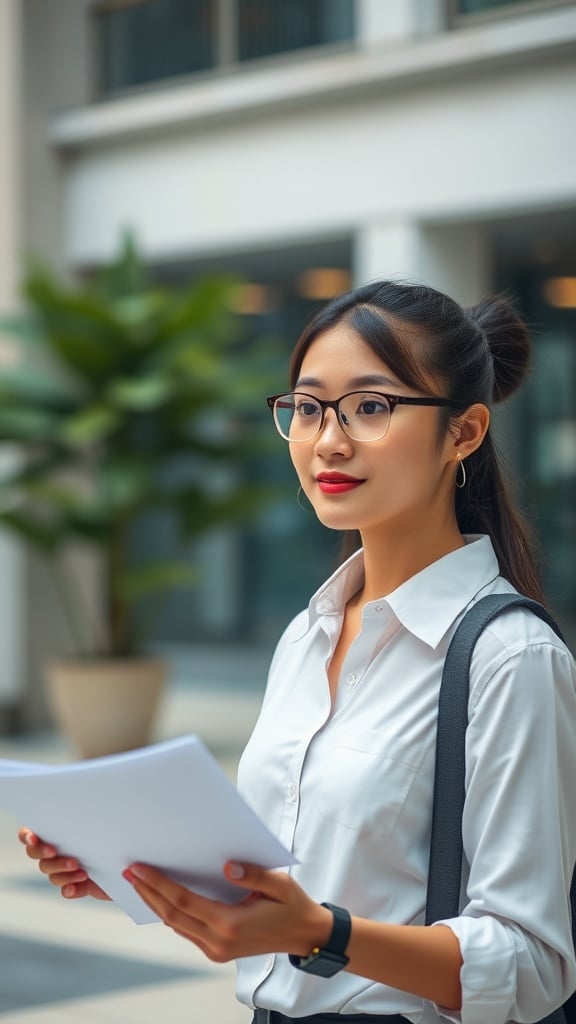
393, 557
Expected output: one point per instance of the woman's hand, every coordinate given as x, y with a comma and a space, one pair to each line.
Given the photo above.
64, 872
276, 915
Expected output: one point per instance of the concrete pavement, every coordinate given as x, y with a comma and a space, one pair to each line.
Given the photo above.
63, 962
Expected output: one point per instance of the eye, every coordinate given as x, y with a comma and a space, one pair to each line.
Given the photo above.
306, 409
372, 406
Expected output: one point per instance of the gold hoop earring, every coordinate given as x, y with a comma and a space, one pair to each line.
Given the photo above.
299, 503
462, 482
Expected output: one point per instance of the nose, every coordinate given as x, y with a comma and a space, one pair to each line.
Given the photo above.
331, 437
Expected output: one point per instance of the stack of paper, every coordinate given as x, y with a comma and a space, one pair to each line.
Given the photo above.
169, 805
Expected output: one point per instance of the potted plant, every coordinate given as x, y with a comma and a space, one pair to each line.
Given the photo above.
126, 398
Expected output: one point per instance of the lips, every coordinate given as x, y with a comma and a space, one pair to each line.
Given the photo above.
337, 483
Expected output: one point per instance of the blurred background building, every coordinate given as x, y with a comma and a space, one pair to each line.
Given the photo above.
303, 145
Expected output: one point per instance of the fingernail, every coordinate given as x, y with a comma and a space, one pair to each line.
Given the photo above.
68, 891
138, 870
235, 871
127, 874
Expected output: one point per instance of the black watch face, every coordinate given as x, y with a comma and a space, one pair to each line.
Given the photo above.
324, 964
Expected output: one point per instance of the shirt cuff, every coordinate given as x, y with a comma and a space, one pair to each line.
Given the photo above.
488, 972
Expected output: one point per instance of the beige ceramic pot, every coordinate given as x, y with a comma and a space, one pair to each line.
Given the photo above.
106, 706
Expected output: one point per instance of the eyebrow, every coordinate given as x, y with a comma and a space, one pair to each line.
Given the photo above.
367, 381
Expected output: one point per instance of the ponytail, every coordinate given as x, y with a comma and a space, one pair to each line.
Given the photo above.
484, 505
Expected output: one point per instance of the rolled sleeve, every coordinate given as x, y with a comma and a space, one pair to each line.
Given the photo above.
488, 975
519, 830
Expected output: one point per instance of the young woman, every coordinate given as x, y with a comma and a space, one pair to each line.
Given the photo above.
388, 427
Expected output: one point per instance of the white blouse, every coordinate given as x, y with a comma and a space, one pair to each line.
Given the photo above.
349, 789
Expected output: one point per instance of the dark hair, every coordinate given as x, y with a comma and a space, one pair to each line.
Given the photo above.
479, 354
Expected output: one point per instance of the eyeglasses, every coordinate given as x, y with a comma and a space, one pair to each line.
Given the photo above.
362, 415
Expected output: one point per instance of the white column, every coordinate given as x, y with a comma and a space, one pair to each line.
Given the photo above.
452, 258
392, 21
12, 626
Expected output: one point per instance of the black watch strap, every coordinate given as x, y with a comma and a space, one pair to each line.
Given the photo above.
340, 936
332, 957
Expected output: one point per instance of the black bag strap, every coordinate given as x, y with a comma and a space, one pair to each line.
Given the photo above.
446, 847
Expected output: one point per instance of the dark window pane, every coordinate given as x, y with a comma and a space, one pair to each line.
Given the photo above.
476, 6
542, 422
266, 27
155, 40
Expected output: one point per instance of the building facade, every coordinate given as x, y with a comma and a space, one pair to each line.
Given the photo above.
303, 145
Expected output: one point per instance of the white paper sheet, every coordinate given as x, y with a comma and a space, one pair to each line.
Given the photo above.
169, 805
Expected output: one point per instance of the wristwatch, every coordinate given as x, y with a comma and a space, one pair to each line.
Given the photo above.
332, 958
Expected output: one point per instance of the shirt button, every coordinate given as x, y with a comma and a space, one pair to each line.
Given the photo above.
269, 963
292, 794
353, 679
378, 608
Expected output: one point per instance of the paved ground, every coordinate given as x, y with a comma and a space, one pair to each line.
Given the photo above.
87, 962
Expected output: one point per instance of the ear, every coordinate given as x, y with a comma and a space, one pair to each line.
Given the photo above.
469, 430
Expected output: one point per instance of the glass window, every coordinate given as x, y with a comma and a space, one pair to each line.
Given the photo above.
479, 6
542, 416
266, 27
144, 41
158, 39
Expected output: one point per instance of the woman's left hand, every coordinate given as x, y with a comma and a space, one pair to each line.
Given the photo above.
276, 916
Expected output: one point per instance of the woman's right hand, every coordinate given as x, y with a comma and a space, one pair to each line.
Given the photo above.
63, 872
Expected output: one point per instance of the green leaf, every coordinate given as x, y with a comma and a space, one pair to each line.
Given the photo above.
41, 536
140, 394
159, 576
81, 332
124, 483
28, 386
205, 310
54, 494
140, 310
88, 522
89, 427
126, 275
27, 424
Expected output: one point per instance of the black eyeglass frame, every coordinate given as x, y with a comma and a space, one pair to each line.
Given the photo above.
393, 401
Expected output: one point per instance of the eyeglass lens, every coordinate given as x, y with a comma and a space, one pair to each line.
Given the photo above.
363, 416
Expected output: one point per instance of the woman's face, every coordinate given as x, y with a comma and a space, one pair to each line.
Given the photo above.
403, 478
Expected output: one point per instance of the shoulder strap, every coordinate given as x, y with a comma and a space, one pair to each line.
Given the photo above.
444, 875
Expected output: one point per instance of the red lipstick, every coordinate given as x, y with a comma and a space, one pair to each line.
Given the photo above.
337, 483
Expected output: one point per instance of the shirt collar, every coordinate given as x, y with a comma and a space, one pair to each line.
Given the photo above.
428, 603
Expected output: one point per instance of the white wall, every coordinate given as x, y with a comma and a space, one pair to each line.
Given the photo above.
465, 148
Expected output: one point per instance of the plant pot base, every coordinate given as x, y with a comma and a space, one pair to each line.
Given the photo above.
107, 706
